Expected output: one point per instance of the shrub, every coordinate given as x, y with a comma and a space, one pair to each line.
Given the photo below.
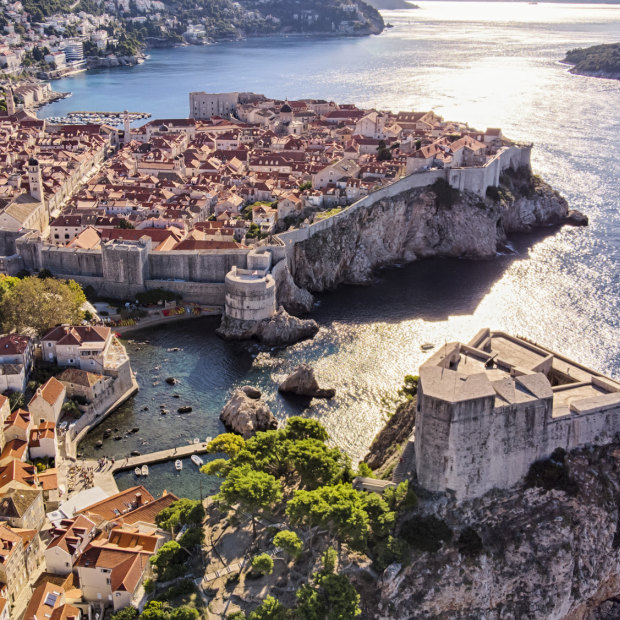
149, 586
289, 542
388, 551
262, 564
426, 533
127, 613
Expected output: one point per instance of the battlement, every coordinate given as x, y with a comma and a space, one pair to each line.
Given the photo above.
489, 408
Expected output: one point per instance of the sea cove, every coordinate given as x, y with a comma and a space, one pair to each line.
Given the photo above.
554, 289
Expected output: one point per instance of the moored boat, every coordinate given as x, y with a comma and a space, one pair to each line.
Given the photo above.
145, 470
137, 471
196, 460
178, 464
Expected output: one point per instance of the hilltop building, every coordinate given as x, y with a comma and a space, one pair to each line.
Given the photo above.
488, 409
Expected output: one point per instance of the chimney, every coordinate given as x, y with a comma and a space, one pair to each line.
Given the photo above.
138, 499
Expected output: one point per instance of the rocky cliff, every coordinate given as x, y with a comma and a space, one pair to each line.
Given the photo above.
435, 221
528, 553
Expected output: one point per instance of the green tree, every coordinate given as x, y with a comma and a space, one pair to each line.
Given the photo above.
126, 224
316, 464
350, 516
228, 443
252, 491
182, 512
192, 537
289, 542
262, 564
236, 615
38, 304
6, 284
154, 611
184, 613
168, 561
271, 609
332, 598
216, 467
127, 613
305, 428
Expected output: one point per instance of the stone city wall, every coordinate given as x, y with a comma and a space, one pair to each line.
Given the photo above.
475, 180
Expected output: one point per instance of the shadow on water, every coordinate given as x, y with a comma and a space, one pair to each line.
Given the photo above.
431, 289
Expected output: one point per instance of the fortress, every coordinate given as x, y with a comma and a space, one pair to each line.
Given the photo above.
488, 409
121, 268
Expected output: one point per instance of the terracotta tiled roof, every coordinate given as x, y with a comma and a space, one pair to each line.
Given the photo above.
148, 512
71, 533
19, 418
82, 333
45, 430
14, 449
116, 505
79, 377
15, 502
13, 344
16, 471
51, 391
48, 601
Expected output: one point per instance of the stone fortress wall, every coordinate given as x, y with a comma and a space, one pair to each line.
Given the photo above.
123, 268
489, 409
475, 180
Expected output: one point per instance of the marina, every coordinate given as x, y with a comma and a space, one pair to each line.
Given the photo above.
141, 462
114, 119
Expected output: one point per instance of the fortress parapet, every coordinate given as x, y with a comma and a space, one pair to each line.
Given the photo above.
488, 409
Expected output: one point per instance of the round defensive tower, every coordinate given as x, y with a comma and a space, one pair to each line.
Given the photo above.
250, 295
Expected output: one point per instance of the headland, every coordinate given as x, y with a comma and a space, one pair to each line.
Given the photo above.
601, 61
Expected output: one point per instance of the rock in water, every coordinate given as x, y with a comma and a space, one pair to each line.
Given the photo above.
279, 329
303, 382
576, 218
251, 391
245, 414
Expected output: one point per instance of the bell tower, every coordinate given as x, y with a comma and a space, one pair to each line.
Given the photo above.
35, 180
10, 102
127, 127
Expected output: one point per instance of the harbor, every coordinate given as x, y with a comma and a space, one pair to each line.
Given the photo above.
114, 119
161, 456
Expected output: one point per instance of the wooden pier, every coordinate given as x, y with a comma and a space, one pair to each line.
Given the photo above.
159, 457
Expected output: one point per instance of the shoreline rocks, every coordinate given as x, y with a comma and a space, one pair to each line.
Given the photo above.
280, 329
245, 413
420, 223
303, 383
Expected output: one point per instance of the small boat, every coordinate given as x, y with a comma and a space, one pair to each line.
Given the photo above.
196, 460
196, 440
145, 470
427, 346
178, 464
137, 471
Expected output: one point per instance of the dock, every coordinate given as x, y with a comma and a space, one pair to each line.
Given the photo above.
161, 456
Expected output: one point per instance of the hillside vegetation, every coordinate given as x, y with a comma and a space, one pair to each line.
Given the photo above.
598, 61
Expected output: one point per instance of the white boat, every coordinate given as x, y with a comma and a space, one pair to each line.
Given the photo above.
178, 464
196, 460
196, 440
137, 471
145, 470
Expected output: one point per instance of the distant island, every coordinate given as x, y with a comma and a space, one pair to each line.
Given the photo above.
391, 5
597, 61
